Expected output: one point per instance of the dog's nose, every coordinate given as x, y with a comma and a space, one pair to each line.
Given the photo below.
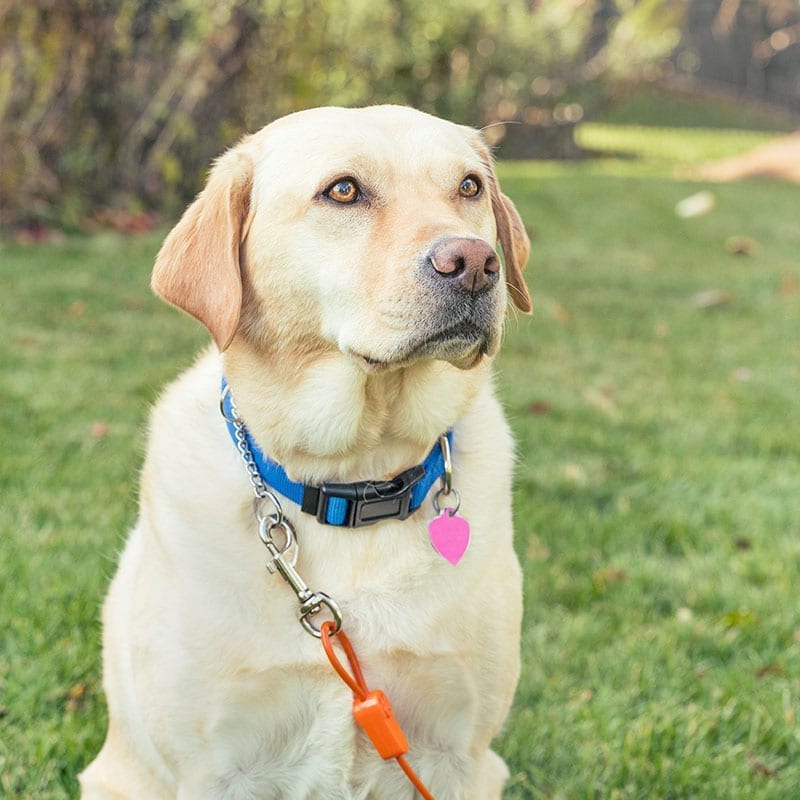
473, 263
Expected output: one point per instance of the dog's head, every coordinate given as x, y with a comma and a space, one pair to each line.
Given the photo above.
371, 231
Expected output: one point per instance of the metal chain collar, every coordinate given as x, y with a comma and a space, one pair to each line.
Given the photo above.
283, 556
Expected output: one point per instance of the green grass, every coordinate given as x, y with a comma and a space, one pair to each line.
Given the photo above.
668, 105
645, 149
657, 493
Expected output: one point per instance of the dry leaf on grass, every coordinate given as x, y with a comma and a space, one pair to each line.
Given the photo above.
561, 315
99, 430
741, 245
77, 695
759, 768
770, 669
712, 298
789, 284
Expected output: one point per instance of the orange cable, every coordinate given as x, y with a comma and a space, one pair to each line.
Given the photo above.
414, 778
357, 685
362, 695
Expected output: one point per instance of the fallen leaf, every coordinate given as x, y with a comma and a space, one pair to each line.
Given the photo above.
132, 303
769, 669
605, 576
759, 768
602, 401
536, 549
560, 314
743, 544
76, 695
77, 309
696, 205
539, 408
789, 284
712, 298
741, 245
99, 430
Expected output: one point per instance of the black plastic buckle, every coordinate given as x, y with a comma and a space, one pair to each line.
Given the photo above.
368, 501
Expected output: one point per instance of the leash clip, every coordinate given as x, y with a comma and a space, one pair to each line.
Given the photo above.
284, 559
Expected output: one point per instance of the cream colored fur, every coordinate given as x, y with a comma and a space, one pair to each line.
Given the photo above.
214, 690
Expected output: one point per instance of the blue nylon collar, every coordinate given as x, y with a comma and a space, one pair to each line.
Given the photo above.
345, 505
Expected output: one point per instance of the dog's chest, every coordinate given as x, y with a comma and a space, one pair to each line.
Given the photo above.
290, 733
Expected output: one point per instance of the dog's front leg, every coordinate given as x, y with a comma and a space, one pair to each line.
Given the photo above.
117, 774
494, 774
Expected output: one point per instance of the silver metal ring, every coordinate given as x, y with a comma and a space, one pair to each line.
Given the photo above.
313, 606
452, 510
225, 392
276, 504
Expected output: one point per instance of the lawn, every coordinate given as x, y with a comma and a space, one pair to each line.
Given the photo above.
654, 396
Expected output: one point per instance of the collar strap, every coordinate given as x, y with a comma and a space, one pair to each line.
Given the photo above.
348, 505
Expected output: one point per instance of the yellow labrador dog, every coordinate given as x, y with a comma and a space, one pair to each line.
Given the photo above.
344, 262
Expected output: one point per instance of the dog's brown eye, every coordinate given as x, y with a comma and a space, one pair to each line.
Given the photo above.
470, 186
343, 191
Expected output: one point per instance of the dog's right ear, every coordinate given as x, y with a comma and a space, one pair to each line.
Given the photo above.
198, 267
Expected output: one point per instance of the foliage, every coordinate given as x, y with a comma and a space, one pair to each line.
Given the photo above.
123, 103
656, 504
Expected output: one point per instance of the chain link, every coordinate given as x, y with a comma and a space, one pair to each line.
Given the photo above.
259, 487
282, 558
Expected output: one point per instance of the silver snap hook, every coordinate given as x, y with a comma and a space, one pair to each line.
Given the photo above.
447, 478
287, 549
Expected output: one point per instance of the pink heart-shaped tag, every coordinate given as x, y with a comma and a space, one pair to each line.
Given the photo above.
449, 535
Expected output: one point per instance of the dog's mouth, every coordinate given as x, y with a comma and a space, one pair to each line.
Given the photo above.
463, 344
456, 342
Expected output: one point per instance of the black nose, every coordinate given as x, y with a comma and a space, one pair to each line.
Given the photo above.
471, 263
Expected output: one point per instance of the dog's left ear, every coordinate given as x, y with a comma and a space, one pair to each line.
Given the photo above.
515, 243
198, 267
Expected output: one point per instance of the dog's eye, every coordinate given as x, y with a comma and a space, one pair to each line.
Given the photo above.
470, 187
344, 191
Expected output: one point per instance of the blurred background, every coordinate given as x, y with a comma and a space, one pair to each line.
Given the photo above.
110, 110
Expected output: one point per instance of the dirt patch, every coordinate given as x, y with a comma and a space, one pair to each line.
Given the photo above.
779, 159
